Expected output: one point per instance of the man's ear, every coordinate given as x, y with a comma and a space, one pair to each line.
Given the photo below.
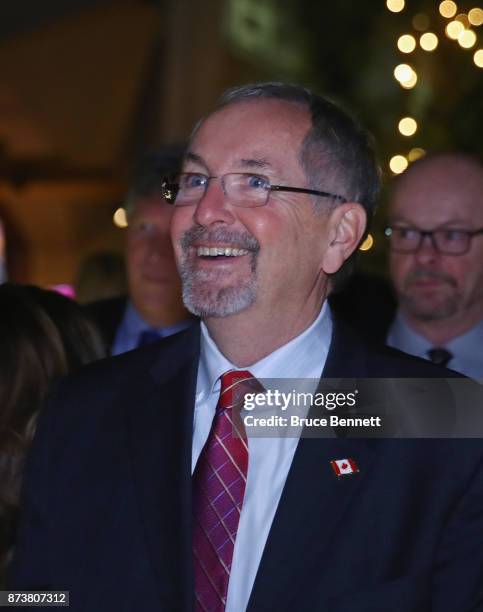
345, 227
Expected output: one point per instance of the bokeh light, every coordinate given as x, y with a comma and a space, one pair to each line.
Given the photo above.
454, 29
119, 218
463, 19
407, 126
467, 39
395, 6
406, 43
448, 9
416, 153
478, 58
420, 22
398, 164
475, 16
367, 244
428, 41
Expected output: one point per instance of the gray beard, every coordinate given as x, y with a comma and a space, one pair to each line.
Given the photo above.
203, 301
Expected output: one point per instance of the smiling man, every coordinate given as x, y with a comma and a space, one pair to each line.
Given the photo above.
436, 261
167, 510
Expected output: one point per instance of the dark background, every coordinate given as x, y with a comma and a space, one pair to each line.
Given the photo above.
86, 86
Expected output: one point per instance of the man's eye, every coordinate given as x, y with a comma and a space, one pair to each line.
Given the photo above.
406, 233
452, 235
193, 181
257, 182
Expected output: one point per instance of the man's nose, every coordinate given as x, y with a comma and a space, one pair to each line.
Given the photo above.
214, 205
427, 251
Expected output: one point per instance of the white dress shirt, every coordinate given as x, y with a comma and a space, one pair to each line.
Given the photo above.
466, 349
269, 458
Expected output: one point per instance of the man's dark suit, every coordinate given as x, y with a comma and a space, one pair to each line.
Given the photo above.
108, 500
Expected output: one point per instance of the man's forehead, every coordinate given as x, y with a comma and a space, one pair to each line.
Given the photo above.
439, 193
255, 130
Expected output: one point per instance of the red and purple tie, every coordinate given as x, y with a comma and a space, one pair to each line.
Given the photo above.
218, 489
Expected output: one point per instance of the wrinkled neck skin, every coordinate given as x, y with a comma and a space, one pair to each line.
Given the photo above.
250, 335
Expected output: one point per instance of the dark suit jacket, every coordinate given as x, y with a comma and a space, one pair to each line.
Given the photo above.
107, 511
107, 316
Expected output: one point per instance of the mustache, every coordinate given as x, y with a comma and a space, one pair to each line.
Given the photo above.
421, 274
227, 237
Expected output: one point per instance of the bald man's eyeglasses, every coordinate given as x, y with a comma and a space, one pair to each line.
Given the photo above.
445, 241
242, 189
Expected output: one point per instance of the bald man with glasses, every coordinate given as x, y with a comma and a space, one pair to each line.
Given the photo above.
436, 261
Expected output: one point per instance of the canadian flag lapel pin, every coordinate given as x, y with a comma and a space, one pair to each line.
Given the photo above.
344, 467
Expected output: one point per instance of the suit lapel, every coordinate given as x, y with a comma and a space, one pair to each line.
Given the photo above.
314, 501
159, 443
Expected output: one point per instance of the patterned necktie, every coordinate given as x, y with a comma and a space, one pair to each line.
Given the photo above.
218, 490
440, 356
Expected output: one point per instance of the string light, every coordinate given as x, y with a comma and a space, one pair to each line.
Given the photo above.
428, 41
475, 16
367, 244
467, 39
395, 6
448, 9
478, 58
415, 154
398, 164
119, 218
463, 19
407, 126
454, 29
411, 82
406, 43
420, 22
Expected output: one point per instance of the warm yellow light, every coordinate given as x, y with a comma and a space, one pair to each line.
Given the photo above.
119, 218
420, 22
454, 29
398, 164
411, 82
367, 244
406, 43
475, 16
428, 41
407, 126
416, 153
463, 19
467, 39
448, 9
395, 6
478, 58
403, 73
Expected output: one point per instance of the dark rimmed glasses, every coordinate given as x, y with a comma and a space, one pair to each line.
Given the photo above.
242, 189
448, 241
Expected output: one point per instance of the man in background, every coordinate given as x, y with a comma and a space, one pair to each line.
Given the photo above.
436, 261
153, 308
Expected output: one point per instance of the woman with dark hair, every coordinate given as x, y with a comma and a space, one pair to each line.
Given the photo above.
43, 336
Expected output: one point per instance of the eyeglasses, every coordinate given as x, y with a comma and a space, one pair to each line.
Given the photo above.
445, 241
242, 189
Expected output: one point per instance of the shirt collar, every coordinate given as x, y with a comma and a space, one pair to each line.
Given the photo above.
292, 360
134, 324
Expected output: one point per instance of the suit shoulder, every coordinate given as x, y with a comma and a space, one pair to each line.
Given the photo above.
392, 362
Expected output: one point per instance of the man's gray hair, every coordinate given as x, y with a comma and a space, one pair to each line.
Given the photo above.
337, 154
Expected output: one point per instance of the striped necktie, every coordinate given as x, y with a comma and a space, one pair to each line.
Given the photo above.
218, 489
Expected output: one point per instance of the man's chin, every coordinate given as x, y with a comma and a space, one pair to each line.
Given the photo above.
429, 310
225, 302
